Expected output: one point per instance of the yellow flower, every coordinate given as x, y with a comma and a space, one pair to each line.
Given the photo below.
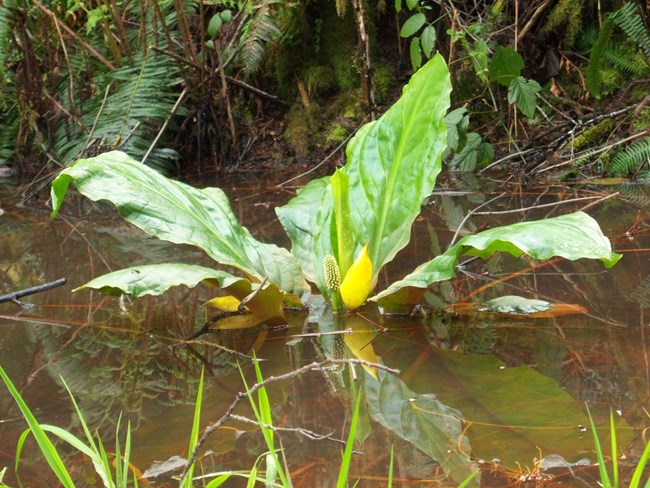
358, 281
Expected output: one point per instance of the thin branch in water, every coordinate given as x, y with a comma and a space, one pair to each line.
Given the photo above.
14, 296
543, 205
469, 214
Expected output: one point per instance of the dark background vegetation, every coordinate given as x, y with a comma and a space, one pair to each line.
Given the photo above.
194, 86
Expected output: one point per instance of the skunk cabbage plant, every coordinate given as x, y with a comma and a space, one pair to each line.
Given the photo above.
344, 228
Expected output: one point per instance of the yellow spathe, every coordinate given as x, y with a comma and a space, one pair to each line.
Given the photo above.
358, 281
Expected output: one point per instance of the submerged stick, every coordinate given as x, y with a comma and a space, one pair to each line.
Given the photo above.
14, 296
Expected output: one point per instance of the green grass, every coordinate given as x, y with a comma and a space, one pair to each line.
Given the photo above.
613, 481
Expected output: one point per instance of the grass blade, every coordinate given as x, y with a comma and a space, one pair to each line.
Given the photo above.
640, 467
47, 448
194, 434
349, 446
612, 433
604, 476
390, 468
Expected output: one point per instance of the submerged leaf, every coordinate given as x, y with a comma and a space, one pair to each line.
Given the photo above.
573, 236
358, 281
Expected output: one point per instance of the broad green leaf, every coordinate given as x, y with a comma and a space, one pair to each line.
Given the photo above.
179, 213
506, 65
424, 421
428, 40
394, 162
300, 221
515, 304
155, 279
413, 24
416, 53
522, 92
573, 236
392, 167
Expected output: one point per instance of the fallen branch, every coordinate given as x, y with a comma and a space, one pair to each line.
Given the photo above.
14, 296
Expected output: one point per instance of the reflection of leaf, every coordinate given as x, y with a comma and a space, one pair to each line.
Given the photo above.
233, 322
360, 342
573, 236
511, 412
424, 421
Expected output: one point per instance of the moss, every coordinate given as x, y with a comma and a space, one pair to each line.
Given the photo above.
337, 134
642, 121
567, 14
383, 81
594, 136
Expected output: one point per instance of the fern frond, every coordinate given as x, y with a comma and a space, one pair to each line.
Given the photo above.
618, 58
629, 19
260, 31
594, 77
6, 31
630, 159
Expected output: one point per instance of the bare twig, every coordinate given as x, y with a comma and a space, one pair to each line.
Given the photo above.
327, 158
469, 214
14, 296
165, 124
543, 205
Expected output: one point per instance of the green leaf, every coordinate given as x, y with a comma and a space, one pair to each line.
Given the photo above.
521, 92
428, 40
300, 221
411, 4
392, 167
515, 304
506, 65
573, 236
424, 421
214, 25
593, 77
394, 162
155, 279
179, 213
415, 53
413, 24
474, 153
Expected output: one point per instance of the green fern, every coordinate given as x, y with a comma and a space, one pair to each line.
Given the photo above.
594, 77
630, 159
628, 19
6, 33
260, 31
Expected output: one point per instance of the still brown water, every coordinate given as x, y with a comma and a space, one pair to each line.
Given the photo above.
520, 385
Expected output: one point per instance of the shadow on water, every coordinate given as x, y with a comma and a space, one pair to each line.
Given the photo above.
480, 389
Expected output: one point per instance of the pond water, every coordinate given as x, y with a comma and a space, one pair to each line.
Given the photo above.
520, 385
